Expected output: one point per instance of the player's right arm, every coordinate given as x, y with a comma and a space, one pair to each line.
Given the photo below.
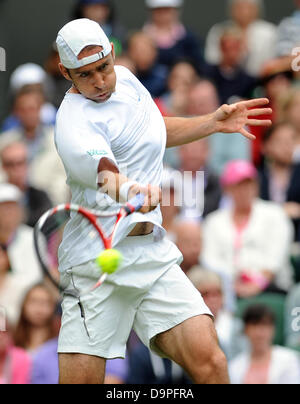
121, 188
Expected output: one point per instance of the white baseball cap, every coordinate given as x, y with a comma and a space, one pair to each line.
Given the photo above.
9, 193
164, 3
77, 35
29, 73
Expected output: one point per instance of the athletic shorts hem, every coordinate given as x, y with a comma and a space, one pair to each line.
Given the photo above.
168, 326
90, 352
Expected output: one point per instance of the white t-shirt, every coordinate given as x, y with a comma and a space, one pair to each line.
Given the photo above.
129, 130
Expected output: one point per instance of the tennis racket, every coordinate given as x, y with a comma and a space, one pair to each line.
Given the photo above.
49, 230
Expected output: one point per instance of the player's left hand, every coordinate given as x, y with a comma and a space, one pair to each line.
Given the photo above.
234, 118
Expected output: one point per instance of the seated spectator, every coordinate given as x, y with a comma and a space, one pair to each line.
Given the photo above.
147, 368
231, 80
182, 77
57, 83
45, 364
201, 192
124, 60
249, 240
265, 363
175, 102
289, 32
19, 267
46, 169
260, 36
37, 323
292, 323
203, 99
173, 40
279, 177
229, 329
170, 206
104, 13
274, 83
289, 112
116, 371
14, 160
143, 53
188, 238
31, 76
18, 371
45, 369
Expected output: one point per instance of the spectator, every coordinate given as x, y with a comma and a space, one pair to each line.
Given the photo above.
290, 104
171, 37
14, 160
143, 53
279, 177
37, 322
250, 240
147, 368
259, 36
182, 77
116, 371
231, 80
188, 238
170, 206
289, 32
203, 99
265, 363
46, 169
45, 368
201, 193
292, 323
274, 83
57, 83
15, 364
103, 12
31, 76
229, 329
124, 60
19, 268
45, 364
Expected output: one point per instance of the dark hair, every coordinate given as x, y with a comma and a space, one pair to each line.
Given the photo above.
23, 328
270, 131
259, 314
77, 11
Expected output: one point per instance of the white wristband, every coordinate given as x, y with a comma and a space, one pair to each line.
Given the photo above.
124, 190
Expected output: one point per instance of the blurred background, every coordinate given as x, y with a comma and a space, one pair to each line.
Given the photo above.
240, 247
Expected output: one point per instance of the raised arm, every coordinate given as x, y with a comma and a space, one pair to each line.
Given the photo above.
227, 119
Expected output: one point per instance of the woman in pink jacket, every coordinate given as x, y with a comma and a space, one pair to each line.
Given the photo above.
15, 364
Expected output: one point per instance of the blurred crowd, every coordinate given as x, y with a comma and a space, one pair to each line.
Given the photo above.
240, 246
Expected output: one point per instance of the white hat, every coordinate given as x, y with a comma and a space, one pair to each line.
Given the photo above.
9, 193
26, 74
77, 35
164, 3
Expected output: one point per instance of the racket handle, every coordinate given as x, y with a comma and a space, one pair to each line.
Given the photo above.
135, 204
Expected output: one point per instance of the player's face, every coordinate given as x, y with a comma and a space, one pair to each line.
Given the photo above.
96, 81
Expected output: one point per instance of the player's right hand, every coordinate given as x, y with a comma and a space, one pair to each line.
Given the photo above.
153, 196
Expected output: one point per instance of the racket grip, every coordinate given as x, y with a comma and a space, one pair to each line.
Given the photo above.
135, 204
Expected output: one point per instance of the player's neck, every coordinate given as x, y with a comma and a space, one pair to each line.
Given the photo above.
74, 90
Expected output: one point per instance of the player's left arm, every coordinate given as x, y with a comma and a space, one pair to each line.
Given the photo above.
227, 119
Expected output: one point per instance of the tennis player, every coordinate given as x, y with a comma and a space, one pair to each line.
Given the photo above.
111, 139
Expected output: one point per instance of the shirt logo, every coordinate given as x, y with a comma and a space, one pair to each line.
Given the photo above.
93, 153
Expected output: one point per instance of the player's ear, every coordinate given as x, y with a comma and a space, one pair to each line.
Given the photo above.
64, 72
113, 51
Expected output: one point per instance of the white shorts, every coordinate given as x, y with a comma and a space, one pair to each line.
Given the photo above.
150, 293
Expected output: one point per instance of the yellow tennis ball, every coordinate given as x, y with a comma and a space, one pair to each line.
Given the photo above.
109, 261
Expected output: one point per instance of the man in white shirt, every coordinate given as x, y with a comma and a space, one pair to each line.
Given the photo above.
112, 138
